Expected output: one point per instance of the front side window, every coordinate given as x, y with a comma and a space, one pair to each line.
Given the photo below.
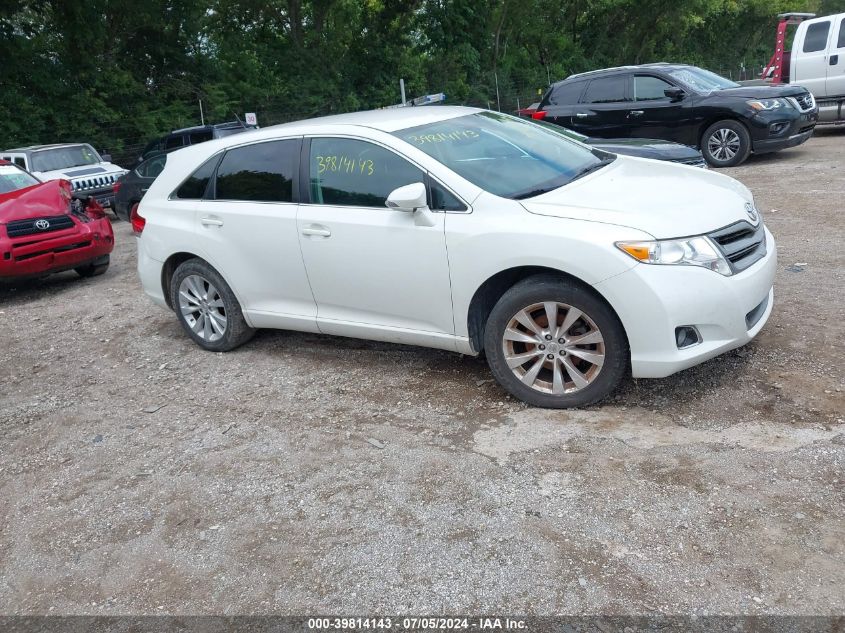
648, 88
262, 172
840, 43
605, 90
348, 172
64, 157
12, 179
507, 156
816, 38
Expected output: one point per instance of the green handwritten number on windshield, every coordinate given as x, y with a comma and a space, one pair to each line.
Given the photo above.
444, 137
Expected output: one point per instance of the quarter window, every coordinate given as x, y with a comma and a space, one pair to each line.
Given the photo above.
346, 172
605, 90
262, 172
443, 200
196, 184
816, 38
648, 88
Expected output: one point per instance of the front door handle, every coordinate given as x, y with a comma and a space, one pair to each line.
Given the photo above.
316, 230
834, 59
211, 222
635, 113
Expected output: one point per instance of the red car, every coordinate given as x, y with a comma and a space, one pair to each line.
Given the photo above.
44, 230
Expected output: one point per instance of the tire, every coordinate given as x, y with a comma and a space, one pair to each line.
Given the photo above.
207, 308
578, 374
726, 144
94, 268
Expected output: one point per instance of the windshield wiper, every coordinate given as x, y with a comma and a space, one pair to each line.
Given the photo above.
604, 162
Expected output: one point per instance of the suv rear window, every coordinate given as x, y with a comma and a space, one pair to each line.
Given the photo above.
605, 90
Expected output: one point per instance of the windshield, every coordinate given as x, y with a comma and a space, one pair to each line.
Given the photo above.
13, 178
701, 80
64, 157
504, 155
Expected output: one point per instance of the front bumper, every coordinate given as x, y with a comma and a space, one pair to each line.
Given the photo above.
36, 255
651, 301
790, 131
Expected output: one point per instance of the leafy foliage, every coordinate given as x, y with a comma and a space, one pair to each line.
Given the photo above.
117, 73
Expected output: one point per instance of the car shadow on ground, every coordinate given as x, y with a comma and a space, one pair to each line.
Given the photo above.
36, 287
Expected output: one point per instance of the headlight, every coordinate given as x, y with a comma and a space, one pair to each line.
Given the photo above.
689, 251
767, 104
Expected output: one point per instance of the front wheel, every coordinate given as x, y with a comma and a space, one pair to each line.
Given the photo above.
726, 144
554, 343
207, 308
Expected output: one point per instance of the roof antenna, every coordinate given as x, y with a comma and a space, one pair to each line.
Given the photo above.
239, 119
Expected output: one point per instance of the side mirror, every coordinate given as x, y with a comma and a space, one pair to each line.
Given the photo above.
106, 157
675, 94
408, 198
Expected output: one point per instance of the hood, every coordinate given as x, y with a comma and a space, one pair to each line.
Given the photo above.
663, 199
645, 148
760, 92
32, 202
81, 171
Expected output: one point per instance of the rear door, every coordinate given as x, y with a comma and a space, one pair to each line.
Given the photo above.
810, 69
246, 225
562, 102
604, 108
835, 85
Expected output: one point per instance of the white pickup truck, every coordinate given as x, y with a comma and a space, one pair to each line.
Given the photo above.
816, 62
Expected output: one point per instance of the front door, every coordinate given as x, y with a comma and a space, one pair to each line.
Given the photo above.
375, 272
654, 115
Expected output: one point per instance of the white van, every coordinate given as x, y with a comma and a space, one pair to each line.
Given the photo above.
817, 63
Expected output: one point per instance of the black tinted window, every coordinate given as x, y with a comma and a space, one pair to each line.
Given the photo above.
194, 187
605, 90
200, 137
841, 40
443, 200
566, 93
648, 88
153, 167
356, 173
262, 172
816, 39
173, 141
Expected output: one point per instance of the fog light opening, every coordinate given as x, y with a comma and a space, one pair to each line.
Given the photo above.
686, 336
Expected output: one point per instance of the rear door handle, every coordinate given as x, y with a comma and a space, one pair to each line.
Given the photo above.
316, 230
211, 222
635, 113
834, 59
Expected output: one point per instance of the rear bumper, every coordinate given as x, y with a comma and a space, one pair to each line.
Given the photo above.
32, 256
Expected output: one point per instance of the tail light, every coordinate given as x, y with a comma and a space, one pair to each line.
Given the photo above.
116, 187
539, 115
137, 220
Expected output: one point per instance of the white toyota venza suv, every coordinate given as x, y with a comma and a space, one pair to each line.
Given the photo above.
465, 230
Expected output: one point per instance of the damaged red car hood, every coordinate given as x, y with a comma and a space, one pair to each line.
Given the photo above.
45, 199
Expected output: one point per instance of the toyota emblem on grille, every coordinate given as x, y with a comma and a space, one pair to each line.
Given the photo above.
751, 211
42, 225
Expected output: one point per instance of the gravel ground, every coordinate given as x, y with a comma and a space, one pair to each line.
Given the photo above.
310, 474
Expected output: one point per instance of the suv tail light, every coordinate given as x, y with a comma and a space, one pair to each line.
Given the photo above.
137, 220
116, 187
539, 115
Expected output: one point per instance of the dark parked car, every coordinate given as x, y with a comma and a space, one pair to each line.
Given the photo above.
639, 147
192, 136
684, 104
129, 190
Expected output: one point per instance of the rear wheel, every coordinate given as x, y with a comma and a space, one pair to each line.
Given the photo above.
207, 308
726, 144
553, 343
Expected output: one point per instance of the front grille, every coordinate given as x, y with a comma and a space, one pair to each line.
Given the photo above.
33, 226
742, 244
96, 182
805, 102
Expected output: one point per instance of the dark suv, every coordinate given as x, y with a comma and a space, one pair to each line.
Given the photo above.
192, 136
684, 104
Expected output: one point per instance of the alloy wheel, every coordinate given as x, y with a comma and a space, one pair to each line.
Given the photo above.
202, 307
723, 144
553, 348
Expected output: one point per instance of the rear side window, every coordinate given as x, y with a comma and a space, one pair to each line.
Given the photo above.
347, 172
648, 88
566, 93
605, 90
196, 184
200, 137
816, 38
262, 172
20, 162
173, 141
